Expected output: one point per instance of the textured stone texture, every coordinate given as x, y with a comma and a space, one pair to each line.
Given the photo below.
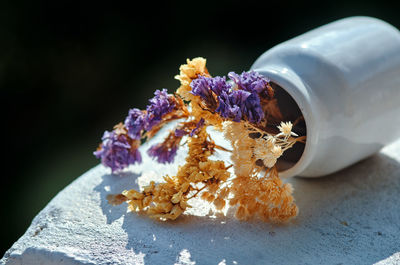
351, 217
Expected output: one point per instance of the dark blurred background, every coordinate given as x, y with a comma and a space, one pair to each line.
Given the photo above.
69, 70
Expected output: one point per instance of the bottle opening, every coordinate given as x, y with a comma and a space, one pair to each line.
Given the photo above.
290, 112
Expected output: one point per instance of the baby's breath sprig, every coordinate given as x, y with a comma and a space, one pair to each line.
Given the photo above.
242, 109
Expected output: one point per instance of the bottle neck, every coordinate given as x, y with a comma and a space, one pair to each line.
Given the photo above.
300, 92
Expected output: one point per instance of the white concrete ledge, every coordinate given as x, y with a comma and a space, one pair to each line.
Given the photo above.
352, 217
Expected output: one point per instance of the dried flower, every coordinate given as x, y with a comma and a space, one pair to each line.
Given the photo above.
230, 104
267, 151
240, 104
117, 152
252, 109
180, 132
206, 86
189, 71
286, 128
165, 152
135, 123
270, 159
201, 87
160, 104
198, 127
252, 82
162, 153
241, 109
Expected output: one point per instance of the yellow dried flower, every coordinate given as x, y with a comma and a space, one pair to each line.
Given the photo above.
210, 198
132, 195
189, 71
116, 199
205, 195
266, 197
175, 212
224, 192
146, 201
241, 213
177, 197
219, 203
149, 188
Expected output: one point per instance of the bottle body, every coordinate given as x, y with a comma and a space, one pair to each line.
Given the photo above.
345, 77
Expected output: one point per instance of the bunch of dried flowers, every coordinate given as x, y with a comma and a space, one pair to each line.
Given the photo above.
242, 109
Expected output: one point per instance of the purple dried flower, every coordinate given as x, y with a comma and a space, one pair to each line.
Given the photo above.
252, 109
204, 86
135, 157
250, 81
135, 123
218, 85
116, 152
240, 104
163, 153
201, 87
230, 105
198, 127
243, 102
180, 133
160, 104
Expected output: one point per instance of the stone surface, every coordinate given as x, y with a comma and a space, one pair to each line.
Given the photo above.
351, 217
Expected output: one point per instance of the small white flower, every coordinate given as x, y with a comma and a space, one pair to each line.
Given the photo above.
276, 151
269, 160
286, 128
272, 156
270, 141
267, 151
261, 149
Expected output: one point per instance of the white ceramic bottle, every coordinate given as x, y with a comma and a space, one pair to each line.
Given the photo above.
345, 78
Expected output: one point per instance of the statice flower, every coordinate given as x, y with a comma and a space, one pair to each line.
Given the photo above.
199, 125
218, 84
116, 152
180, 132
252, 109
206, 86
135, 123
240, 104
250, 81
201, 87
160, 104
243, 101
230, 104
163, 153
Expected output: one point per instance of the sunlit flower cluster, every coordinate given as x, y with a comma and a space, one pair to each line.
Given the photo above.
118, 150
242, 106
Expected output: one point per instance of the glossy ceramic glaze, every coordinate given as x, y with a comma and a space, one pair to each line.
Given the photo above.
345, 77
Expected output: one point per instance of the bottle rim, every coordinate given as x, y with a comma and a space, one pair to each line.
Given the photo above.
289, 81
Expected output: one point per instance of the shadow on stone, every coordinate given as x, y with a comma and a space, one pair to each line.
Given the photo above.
342, 217
114, 184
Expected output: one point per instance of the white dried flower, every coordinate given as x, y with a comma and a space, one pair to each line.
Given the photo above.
286, 128
245, 168
277, 151
270, 141
269, 160
267, 151
261, 149
272, 156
